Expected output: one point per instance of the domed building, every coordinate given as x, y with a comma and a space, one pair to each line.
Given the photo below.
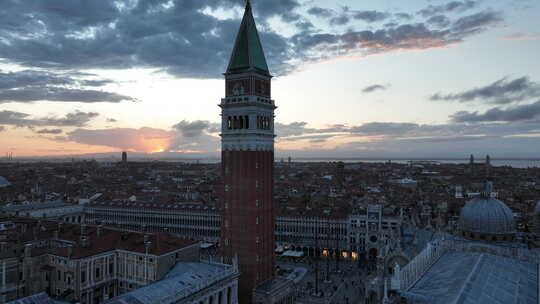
486, 218
488, 266
4, 182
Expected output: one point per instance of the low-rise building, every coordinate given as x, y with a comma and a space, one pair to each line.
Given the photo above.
84, 264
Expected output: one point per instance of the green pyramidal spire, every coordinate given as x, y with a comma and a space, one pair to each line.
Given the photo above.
248, 52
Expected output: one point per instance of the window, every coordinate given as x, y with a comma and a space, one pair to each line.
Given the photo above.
111, 268
58, 275
97, 273
83, 276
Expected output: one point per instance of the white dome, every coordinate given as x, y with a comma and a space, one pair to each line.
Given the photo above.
486, 215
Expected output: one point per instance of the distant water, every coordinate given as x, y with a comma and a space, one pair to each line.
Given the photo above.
515, 163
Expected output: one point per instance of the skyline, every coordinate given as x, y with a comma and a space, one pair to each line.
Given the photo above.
114, 80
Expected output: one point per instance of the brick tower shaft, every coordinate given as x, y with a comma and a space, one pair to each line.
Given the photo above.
247, 159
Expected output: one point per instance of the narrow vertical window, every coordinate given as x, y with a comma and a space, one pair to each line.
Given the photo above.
246, 119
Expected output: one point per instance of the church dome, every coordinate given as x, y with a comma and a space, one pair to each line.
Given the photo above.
487, 218
4, 182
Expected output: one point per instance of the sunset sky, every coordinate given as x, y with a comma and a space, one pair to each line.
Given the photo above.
353, 78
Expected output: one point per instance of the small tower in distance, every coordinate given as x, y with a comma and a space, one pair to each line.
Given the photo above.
124, 157
488, 166
471, 165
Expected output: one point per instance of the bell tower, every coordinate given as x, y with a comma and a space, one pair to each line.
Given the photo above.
247, 160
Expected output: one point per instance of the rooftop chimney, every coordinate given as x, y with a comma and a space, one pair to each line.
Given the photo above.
27, 250
99, 230
84, 241
147, 245
83, 237
70, 251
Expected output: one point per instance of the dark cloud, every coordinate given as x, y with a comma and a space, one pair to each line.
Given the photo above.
370, 16
176, 36
111, 120
475, 23
384, 128
376, 139
439, 20
522, 36
32, 94
321, 12
450, 7
414, 36
502, 91
373, 88
300, 127
18, 119
49, 131
196, 128
403, 16
181, 38
311, 138
340, 19
30, 86
517, 113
